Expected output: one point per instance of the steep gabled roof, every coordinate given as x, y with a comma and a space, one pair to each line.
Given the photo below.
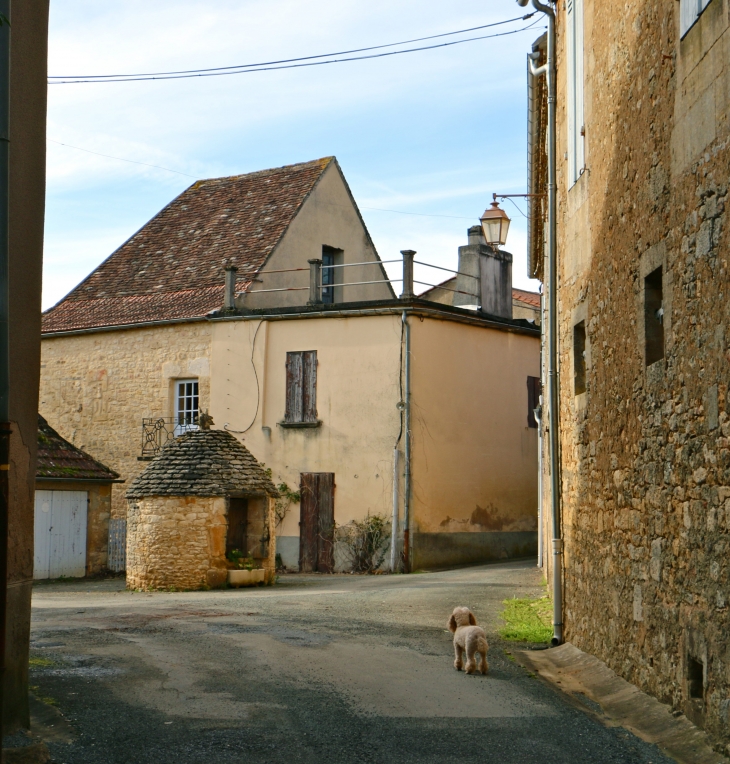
60, 460
202, 463
173, 266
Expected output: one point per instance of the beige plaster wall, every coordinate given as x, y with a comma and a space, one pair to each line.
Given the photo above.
96, 388
357, 394
474, 457
175, 541
327, 218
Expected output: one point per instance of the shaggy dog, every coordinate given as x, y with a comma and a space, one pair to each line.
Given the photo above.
469, 638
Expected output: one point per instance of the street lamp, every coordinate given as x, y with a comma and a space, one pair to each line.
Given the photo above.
495, 224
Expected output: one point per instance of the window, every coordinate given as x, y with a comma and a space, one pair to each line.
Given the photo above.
330, 257
533, 399
695, 677
653, 317
579, 357
689, 12
576, 127
187, 405
301, 389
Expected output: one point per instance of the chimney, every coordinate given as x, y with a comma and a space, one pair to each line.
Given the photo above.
485, 275
230, 294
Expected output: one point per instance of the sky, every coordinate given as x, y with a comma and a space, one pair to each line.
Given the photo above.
424, 138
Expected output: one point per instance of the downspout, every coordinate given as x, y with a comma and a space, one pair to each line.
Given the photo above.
5, 430
552, 335
407, 450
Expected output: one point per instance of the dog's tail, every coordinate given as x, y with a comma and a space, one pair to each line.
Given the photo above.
482, 645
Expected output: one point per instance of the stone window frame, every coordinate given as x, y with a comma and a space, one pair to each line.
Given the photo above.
654, 257
580, 314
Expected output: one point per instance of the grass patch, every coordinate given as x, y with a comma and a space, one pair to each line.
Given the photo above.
40, 662
527, 620
43, 699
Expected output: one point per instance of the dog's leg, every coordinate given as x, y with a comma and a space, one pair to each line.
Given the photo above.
483, 653
457, 653
471, 664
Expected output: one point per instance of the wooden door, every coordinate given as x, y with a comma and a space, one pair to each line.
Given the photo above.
60, 534
317, 522
237, 526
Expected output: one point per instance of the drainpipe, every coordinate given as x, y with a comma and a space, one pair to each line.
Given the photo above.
396, 504
407, 449
4, 334
552, 335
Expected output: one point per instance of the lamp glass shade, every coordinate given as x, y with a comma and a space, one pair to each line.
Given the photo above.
495, 224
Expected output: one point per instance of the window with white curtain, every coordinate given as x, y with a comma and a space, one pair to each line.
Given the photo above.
576, 125
689, 12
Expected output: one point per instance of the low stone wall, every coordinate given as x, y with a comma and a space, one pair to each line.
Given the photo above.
176, 542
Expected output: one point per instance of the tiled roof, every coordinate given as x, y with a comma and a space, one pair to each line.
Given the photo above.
59, 459
173, 267
202, 463
522, 295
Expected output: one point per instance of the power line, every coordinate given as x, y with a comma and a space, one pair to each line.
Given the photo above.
287, 63
120, 159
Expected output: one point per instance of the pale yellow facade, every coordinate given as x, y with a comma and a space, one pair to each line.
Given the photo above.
473, 459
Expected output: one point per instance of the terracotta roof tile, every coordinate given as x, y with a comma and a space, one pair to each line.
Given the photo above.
173, 266
531, 298
59, 459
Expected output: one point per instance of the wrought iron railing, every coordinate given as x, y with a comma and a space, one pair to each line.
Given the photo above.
157, 431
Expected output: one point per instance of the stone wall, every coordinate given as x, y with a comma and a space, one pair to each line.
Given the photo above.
646, 448
97, 387
177, 542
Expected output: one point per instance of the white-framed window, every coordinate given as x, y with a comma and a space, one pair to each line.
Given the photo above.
689, 12
576, 124
187, 405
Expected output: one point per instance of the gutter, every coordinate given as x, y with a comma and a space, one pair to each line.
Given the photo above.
551, 283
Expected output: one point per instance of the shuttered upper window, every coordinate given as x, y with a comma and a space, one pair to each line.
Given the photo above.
301, 388
574, 68
534, 391
689, 12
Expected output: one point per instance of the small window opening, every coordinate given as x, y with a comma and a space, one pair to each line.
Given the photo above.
331, 257
695, 678
579, 357
654, 317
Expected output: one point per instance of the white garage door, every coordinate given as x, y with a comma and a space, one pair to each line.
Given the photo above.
60, 534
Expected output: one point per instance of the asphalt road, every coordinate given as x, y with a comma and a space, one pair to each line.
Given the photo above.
318, 669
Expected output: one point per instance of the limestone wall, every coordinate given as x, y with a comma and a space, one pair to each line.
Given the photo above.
97, 387
177, 542
646, 449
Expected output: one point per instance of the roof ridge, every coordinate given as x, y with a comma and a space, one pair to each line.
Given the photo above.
254, 173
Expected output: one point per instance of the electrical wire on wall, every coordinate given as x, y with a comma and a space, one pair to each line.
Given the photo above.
258, 387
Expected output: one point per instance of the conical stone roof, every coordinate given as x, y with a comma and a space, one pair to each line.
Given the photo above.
202, 463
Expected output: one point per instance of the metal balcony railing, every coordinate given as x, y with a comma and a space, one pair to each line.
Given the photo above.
157, 431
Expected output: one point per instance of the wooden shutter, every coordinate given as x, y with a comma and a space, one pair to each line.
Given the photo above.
326, 492
317, 522
301, 386
533, 399
309, 386
294, 392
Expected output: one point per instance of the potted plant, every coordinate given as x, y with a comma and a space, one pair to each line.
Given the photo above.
244, 571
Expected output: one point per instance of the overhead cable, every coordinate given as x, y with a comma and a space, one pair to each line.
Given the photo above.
294, 63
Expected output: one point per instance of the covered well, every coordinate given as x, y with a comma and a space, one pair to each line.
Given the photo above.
203, 495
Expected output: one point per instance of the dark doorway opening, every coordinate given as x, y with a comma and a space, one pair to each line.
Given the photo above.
695, 678
236, 537
317, 522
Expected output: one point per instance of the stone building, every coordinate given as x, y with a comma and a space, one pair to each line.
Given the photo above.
643, 165
72, 508
398, 401
202, 497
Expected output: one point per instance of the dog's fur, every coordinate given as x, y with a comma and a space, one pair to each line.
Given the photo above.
469, 638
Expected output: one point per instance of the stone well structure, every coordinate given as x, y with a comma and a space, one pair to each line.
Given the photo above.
205, 493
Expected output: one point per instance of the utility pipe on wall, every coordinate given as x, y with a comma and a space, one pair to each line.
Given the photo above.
396, 507
407, 450
552, 335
